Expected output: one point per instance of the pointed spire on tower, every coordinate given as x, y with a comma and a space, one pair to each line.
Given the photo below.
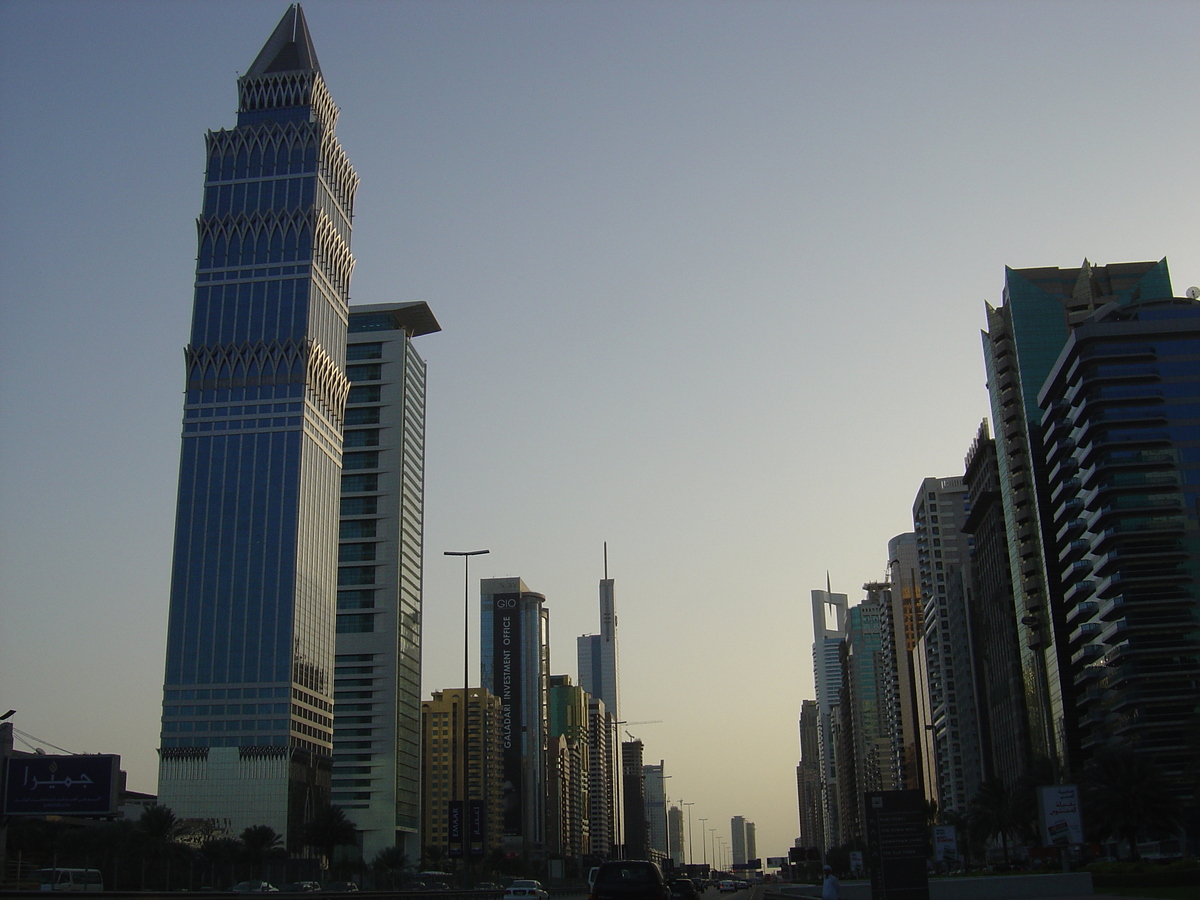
289, 49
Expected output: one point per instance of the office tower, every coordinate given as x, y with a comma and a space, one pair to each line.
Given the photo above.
898, 630
247, 728
1023, 340
599, 676
515, 666
872, 742
377, 679
675, 835
943, 567
751, 842
829, 630
568, 804
808, 778
654, 779
1122, 438
442, 770
1003, 720
737, 840
602, 777
633, 787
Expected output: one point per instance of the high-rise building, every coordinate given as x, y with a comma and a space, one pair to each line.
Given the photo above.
829, 630
675, 835
445, 766
654, 778
943, 565
1003, 720
515, 666
808, 778
247, 727
1022, 342
599, 676
377, 683
751, 841
568, 804
899, 627
737, 840
872, 743
1121, 430
633, 786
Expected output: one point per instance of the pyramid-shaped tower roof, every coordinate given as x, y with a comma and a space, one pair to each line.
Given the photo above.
289, 48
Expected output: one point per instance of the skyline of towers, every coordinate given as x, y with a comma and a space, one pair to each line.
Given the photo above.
247, 722
377, 686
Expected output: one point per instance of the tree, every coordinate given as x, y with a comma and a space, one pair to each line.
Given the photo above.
993, 813
259, 843
389, 862
329, 829
1127, 796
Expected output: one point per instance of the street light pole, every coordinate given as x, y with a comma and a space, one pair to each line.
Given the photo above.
691, 859
703, 840
462, 781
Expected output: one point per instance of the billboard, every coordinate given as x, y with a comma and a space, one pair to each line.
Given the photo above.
1060, 820
40, 785
476, 827
506, 655
455, 828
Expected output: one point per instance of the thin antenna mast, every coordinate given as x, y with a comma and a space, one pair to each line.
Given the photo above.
606, 560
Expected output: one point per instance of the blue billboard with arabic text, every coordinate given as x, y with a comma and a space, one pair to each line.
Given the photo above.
43, 785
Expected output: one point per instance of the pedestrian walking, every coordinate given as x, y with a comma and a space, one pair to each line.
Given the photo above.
832, 889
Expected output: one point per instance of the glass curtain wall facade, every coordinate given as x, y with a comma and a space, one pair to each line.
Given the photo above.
248, 690
1122, 418
376, 750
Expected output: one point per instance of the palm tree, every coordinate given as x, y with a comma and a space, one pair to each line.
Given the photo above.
222, 853
1126, 795
388, 862
329, 829
993, 813
259, 843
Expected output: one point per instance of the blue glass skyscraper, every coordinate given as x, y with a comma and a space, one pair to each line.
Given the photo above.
247, 723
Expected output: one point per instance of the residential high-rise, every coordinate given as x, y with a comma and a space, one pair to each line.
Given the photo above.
568, 804
1003, 720
1022, 342
943, 562
829, 630
599, 676
872, 743
247, 727
1121, 430
515, 666
602, 777
633, 786
675, 836
899, 624
443, 770
377, 684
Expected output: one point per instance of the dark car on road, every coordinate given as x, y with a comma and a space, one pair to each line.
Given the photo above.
629, 879
683, 889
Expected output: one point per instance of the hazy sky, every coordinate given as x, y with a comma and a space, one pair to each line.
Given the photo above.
711, 278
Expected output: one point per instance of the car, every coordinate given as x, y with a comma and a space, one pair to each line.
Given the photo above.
743, 885
301, 887
727, 887
254, 887
526, 889
340, 887
629, 879
488, 886
683, 889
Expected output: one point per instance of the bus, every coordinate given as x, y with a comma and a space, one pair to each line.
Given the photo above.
70, 879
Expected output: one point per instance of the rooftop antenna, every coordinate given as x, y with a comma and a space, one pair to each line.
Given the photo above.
828, 587
606, 560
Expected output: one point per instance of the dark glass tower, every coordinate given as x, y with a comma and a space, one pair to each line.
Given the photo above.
248, 695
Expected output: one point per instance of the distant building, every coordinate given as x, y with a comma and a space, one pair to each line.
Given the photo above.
1121, 431
443, 770
829, 630
943, 560
654, 779
602, 777
675, 834
899, 625
751, 841
737, 840
808, 778
599, 675
568, 806
633, 786
515, 663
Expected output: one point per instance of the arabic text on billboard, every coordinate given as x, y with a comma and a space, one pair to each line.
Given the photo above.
63, 785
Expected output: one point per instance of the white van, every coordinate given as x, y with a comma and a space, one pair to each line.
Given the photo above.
70, 879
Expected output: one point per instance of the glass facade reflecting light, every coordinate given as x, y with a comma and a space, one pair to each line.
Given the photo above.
255, 561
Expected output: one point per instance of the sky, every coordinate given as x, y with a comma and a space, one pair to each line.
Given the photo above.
711, 278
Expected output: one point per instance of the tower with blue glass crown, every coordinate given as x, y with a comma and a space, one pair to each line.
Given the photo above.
247, 725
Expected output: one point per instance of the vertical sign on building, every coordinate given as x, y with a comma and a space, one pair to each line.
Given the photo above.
897, 845
455, 827
506, 637
476, 828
